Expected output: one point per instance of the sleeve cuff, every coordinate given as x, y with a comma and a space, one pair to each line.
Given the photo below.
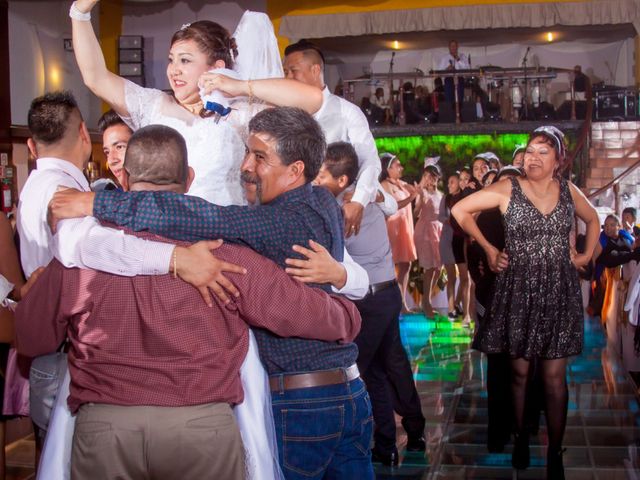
157, 258
362, 196
357, 282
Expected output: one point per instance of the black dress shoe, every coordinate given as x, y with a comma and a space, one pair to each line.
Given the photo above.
416, 444
390, 459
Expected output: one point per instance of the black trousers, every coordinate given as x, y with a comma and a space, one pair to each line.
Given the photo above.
385, 368
449, 90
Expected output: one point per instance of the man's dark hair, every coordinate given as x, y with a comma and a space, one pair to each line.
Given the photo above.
49, 116
308, 49
298, 137
110, 119
157, 154
631, 211
342, 159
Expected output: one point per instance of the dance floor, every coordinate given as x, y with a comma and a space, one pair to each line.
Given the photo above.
603, 430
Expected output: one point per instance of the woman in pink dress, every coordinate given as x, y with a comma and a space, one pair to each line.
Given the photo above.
400, 224
428, 231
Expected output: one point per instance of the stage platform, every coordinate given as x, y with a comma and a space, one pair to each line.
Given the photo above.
471, 128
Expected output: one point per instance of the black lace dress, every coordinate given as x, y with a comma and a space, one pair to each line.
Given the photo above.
537, 304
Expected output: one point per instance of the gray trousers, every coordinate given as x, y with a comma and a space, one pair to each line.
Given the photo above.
157, 443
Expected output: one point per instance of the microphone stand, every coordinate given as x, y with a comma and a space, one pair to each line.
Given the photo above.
391, 103
525, 95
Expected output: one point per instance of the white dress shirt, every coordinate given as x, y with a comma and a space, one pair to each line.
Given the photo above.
461, 63
79, 242
343, 121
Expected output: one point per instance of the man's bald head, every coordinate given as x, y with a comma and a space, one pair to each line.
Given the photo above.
157, 155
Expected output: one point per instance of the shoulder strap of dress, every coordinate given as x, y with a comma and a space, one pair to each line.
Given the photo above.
564, 188
515, 185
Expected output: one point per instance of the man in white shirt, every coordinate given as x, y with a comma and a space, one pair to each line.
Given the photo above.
452, 61
60, 141
340, 121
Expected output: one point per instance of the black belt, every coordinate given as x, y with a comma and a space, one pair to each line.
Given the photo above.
378, 287
313, 379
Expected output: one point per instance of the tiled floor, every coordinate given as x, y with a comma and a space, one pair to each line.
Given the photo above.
603, 432
20, 459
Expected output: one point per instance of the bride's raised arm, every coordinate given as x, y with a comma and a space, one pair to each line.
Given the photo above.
105, 84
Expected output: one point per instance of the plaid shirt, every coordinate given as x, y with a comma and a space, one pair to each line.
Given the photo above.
292, 218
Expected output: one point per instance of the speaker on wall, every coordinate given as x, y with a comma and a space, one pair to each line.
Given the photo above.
131, 58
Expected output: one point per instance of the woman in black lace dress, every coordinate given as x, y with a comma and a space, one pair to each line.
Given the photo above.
537, 308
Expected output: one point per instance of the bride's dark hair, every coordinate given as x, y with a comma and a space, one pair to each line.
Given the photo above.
212, 39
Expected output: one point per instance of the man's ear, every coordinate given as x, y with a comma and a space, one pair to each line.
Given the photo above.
316, 68
296, 170
190, 176
31, 145
84, 133
343, 181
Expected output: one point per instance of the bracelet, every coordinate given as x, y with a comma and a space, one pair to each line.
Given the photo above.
175, 262
250, 88
78, 15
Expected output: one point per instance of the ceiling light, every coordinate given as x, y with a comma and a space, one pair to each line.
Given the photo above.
395, 45
549, 36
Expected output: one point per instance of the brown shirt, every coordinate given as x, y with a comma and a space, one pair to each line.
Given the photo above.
151, 340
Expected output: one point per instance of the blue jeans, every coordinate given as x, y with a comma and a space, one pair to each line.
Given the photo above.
45, 377
324, 432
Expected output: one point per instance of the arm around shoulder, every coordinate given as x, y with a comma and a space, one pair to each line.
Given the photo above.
273, 300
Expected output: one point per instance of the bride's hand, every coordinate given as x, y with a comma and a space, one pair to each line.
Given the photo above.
230, 87
85, 6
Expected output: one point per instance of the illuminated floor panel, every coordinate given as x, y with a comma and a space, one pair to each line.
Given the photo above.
603, 426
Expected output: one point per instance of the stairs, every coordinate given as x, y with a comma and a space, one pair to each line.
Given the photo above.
615, 146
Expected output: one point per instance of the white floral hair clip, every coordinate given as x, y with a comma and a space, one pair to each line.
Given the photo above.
431, 164
185, 26
431, 161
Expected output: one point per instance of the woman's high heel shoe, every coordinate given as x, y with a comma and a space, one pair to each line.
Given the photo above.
520, 455
555, 468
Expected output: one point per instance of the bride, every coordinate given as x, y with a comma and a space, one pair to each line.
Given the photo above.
215, 150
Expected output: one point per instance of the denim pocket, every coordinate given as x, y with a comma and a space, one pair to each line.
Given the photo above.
310, 438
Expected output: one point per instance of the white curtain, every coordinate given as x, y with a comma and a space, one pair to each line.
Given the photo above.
591, 12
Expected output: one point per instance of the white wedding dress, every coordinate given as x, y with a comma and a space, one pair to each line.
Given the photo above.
215, 151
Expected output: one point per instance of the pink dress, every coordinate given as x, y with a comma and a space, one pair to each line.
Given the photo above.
428, 231
400, 228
